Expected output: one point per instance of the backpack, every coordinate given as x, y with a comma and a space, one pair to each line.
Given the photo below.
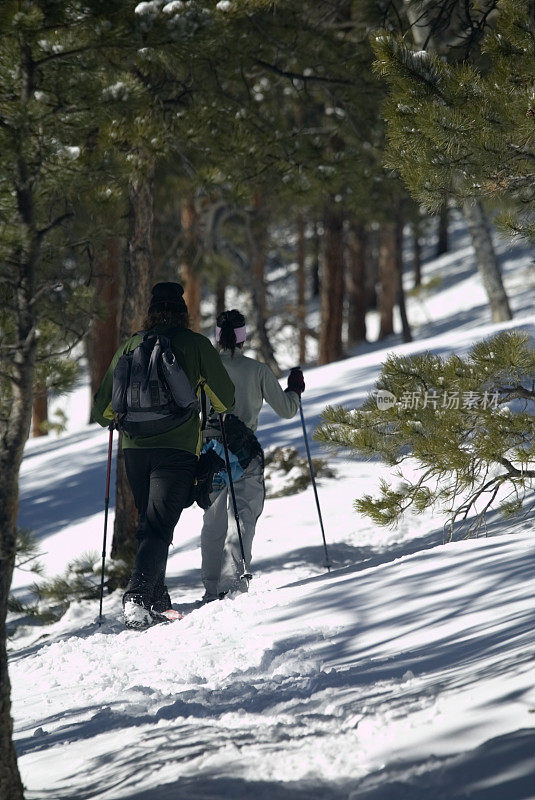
209, 464
241, 440
151, 392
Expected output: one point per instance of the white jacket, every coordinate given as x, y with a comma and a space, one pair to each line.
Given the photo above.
255, 382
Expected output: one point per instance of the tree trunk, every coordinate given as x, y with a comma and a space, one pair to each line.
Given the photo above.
356, 284
388, 283
372, 272
139, 265
14, 433
220, 292
443, 230
259, 230
10, 782
102, 340
13, 440
416, 255
405, 327
189, 268
124, 542
487, 262
332, 288
137, 285
40, 412
301, 288
316, 241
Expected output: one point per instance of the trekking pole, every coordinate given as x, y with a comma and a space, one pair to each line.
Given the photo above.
106, 506
246, 574
327, 563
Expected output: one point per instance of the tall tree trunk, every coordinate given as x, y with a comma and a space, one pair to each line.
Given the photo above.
443, 230
189, 268
139, 270
15, 430
10, 782
416, 255
259, 240
405, 327
301, 288
487, 262
220, 293
251, 263
102, 339
316, 242
388, 283
332, 287
139, 264
372, 272
40, 412
357, 248
14, 436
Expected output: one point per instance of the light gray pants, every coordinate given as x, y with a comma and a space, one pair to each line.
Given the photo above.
220, 547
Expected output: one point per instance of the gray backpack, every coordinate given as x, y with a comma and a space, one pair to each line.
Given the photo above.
151, 392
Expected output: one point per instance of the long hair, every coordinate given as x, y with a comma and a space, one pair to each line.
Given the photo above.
168, 317
227, 321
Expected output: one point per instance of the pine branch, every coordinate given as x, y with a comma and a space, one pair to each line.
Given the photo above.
514, 471
54, 224
300, 77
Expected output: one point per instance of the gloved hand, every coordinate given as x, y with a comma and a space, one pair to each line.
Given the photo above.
296, 381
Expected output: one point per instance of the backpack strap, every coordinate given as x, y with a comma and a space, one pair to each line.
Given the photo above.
204, 409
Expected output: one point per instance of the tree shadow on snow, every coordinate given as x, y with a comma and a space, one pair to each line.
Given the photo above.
500, 769
77, 492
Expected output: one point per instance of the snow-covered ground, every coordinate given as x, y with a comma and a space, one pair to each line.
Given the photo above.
404, 673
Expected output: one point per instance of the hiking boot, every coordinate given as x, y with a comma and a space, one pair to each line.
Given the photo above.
136, 615
137, 602
239, 586
209, 598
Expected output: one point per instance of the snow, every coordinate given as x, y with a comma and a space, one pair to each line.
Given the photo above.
147, 8
173, 7
404, 672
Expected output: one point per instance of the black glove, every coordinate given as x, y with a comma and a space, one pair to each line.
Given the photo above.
296, 381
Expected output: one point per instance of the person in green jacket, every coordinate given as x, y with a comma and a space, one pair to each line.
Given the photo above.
161, 468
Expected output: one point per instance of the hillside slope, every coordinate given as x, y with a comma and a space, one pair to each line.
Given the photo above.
405, 672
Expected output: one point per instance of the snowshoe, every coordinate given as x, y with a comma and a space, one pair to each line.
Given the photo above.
210, 598
135, 614
138, 617
162, 602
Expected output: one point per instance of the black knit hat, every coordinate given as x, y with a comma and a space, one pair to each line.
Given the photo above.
167, 296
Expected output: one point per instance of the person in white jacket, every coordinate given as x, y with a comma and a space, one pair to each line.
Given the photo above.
254, 382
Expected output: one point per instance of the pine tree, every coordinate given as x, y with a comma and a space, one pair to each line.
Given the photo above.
467, 424
50, 85
465, 126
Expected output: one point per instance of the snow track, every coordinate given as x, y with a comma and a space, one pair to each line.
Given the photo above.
318, 684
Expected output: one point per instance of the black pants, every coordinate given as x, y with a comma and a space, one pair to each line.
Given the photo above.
161, 480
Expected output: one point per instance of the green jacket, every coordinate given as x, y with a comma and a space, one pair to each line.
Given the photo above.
201, 363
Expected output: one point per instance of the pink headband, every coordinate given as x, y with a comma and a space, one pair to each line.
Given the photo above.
241, 334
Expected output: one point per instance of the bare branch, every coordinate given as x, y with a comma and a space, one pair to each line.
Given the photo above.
297, 76
54, 224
